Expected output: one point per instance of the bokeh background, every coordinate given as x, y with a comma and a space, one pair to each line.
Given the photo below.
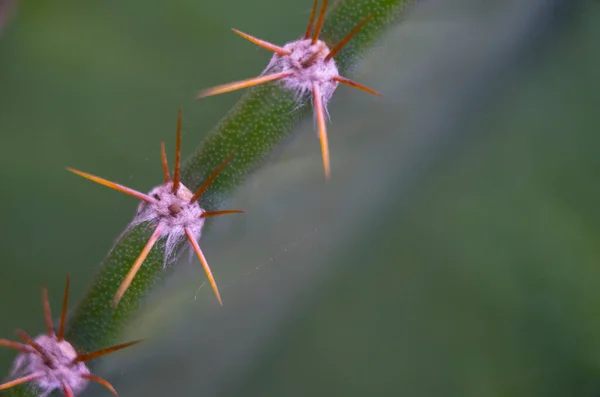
455, 252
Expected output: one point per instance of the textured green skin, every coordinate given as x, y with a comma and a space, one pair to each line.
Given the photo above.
256, 125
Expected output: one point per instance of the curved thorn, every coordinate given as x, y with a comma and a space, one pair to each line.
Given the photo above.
311, 20
101, 381
63, 313
262, 43
210, 179
354, 84
29, 340
12, 383
348, 37
165, 163
218, 213
113, 185
67, 390
103, 352
204, 262
16, 345
320, 114
320, 21
136, 266
237, 85
47, 311
177, 170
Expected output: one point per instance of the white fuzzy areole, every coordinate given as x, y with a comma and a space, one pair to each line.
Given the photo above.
61, 369
172, 213
307, 62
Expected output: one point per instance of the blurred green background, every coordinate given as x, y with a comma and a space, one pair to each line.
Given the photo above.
455, 251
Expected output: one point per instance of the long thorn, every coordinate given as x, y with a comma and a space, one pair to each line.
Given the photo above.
113, 185
320, 113
101, 381
354, 84
211, 278
348, 37
63, 313
237, 85
320, 21
29, 340
218, 213
12, 383
103, 352
262, 43
165, 163
210, 179
136, 266
67, 390
47, 311
311, 20
177, 155
16, 345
